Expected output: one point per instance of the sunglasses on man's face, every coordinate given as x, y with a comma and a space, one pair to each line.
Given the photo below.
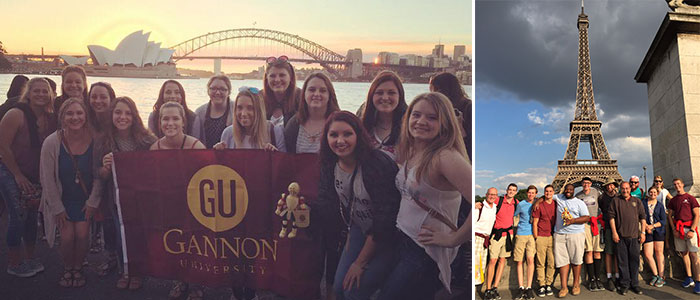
635, 182
282, 59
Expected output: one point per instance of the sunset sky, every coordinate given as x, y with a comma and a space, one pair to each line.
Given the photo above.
67, 27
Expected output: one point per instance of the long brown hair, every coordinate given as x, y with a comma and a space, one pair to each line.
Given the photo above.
369, 114
303, 110
448, 136
289, 103
139, 134
363, 146
95, 120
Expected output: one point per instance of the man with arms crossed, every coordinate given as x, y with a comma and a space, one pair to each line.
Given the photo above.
592, 231
525, 244
626, 217
543, 219
500, 243
684, 215
569, 238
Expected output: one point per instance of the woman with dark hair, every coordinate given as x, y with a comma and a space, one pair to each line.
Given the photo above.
357, 187
13, 93
171, 90
214, 116
125, 133
71, 191
447, 84
302, 134
382, 111
22, 131
73, 85
280, 90
433, 177
100, 97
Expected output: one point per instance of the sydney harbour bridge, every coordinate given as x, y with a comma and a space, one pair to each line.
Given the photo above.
216, 46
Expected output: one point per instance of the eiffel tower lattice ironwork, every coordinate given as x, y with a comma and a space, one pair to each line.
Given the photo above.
585, 128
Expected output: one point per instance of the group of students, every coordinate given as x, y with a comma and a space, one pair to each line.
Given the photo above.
567, 231
393, 180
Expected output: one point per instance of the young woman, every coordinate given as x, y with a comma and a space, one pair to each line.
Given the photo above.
655, 235
173, 123
71, 194
171, 90
13, 93
447, 84
100, 97
280, 90
382, 111
357, 186
250, 129
434, 175
22, 131
73, 85
214, 116
664, 194
302, 134
126, 133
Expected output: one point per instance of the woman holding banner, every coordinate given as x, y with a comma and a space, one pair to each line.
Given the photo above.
434, 175
126, 133
71, 194
173, 123
22, 131
357, 186
214, 116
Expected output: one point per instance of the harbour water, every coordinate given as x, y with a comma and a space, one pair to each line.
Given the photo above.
145, 91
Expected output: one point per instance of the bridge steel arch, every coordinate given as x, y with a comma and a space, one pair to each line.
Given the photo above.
331, 61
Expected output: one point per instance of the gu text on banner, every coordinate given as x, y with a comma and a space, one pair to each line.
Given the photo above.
208, 217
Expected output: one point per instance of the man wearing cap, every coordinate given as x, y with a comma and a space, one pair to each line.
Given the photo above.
604, 201
569, 238
683, 216
486, 216
501, 243
627, 215
592, 231
637, 192
543, 219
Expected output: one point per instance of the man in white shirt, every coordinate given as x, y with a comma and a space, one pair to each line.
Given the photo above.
486, 216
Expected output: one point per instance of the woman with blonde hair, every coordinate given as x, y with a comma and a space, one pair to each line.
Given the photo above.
434, 175
22, 131
73, 85
655, 235
173, 123
71, 191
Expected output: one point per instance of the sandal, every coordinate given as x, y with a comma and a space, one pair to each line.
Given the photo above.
78, 278
123, 282
66, 280
196, 294
135, 283
178, 290
105, 268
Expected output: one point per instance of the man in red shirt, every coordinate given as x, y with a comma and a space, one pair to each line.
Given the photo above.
500, 243
683, 216
543, 218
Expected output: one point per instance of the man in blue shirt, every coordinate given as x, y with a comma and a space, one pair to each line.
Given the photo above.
569, 238
525, 244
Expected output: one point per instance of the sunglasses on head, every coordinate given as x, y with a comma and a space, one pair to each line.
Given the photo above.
282, 59
252, 90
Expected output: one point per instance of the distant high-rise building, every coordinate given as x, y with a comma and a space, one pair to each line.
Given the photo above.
439, 50
388, 58
459, 51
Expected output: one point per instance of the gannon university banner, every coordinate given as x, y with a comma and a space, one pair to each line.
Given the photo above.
212, 217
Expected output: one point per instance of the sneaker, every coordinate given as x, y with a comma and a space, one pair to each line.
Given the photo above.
653, 280
521, 294
636, 290
610, 285
495, 294
688, 282
488, 295
697, 288
22, 270
530, 293
622, 291
541, 291
591, 286
599, 285
550, 290
660, 282
35, 265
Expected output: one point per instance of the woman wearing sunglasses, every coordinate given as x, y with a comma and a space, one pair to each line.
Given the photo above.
250, 129
214, 116
280, 90
171, 90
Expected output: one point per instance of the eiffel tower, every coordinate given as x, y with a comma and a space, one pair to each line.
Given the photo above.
585, 128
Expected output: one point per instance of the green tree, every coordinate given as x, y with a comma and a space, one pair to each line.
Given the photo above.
521, 195
4, 63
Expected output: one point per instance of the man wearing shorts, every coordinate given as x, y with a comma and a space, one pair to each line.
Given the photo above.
569, 238
592, 231
683, 216
610, 260
525, 245
485, 217
626, 217
543, 219
500, 243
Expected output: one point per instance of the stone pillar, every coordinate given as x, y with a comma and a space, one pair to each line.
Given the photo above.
217, 66
671, 70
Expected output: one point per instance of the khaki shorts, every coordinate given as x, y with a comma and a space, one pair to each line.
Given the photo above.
592, 242
684, 245
498, 248
524, 245
569, 249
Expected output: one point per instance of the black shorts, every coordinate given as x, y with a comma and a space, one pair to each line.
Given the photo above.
655, 236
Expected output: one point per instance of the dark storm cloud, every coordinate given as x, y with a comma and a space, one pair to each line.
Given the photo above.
528, 50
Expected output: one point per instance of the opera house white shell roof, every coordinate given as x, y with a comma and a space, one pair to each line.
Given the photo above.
134, 49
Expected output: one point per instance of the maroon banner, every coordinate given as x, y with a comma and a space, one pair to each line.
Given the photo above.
212, 218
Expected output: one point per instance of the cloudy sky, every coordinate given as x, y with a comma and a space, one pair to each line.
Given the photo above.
526, 63
68, 26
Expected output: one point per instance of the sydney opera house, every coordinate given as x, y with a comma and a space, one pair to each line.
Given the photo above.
135, 56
